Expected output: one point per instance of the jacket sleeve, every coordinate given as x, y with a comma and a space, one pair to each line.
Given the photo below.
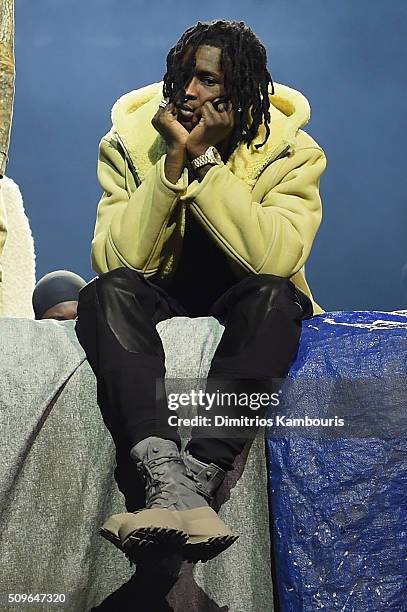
3, 236
271, 236
131, 226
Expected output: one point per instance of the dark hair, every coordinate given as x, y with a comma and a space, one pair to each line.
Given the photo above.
244, 62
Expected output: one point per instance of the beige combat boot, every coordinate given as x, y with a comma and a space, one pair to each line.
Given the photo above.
177, 514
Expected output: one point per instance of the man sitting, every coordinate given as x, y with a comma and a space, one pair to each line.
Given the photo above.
210, 207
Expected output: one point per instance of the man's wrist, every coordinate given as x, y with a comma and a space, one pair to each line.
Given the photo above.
177, 148
202, 171
174, 163
197, 152
210, 157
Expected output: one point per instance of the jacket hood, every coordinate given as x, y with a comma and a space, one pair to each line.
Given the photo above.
132, 114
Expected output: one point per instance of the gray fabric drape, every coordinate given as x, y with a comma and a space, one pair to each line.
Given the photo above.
57, 486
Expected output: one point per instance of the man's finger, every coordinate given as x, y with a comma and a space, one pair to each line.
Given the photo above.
168, 109
209, 112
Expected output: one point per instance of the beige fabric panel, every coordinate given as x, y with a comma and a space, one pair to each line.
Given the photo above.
18, 257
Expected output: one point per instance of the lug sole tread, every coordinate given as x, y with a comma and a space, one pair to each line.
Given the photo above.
209, 549
153, 541
147, 537
111, 537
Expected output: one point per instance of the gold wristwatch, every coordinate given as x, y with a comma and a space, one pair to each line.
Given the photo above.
211, 156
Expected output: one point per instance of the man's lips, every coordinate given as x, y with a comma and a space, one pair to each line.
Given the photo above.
186, 113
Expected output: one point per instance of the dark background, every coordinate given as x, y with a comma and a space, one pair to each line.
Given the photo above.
75, 57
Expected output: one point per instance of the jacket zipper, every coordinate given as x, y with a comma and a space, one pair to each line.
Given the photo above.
282, 154
129, 160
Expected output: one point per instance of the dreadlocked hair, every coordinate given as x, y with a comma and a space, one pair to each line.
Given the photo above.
244, 63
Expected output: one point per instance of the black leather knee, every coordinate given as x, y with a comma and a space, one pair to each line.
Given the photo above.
260, 293
129, 305
280, 292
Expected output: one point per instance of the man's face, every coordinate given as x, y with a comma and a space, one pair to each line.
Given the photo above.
63, 311
206, 83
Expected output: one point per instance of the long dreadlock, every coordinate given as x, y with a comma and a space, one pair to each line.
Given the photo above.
244, 63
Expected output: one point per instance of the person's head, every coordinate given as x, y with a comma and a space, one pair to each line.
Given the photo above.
56, 295
216, 59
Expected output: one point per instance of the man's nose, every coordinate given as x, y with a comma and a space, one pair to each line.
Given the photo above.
190, 89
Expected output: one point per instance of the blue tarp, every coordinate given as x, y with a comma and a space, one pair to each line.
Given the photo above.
338, 494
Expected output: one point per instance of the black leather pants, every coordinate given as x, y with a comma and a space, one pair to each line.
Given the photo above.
117, 315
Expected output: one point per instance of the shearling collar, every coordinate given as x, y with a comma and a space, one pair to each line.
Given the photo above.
132, 114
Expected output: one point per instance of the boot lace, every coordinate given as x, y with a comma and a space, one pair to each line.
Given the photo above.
155, 484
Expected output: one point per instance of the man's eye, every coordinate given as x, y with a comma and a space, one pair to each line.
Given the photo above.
208, 81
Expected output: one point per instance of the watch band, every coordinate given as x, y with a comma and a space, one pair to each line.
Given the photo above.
211, 156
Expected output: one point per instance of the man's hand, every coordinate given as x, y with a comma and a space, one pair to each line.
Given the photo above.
214, 127
175, 135
166, 123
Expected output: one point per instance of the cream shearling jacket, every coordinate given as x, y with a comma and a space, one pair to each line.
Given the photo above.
262, 207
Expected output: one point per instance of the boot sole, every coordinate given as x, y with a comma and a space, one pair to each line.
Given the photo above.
152, 542
111, 537
208, 534
192, 551
145, 534
208, 549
